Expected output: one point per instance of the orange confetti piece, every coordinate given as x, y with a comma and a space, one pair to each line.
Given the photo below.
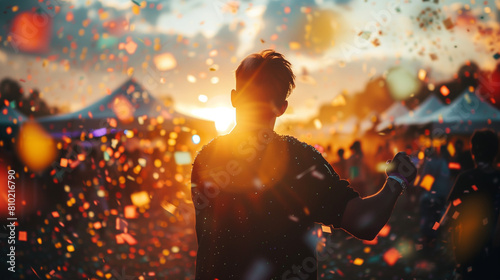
121, 224
129, 239
69, 16
454, 165
136, 9
131, 47
391, 256
55, 214
130, 212
326, 229
22, 236
457, 202
427, 182
435, 226
444, 90
358, 261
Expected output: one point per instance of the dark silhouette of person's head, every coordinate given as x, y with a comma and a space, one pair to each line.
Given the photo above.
484, 146
340, 153
263, 82
356, 148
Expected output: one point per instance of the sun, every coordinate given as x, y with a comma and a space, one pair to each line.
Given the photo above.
223, 117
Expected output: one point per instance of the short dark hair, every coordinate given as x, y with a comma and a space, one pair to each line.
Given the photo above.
268, 70
484, 145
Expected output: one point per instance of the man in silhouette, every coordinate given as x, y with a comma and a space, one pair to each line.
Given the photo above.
473, 212
258, 194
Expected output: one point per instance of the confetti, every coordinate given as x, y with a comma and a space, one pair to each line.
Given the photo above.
456, 202
140, 199
391, 256
435, 226
358, 261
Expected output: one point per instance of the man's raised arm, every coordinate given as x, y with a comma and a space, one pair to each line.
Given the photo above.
364, 217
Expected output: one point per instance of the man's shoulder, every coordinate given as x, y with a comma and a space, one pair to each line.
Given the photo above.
208, 149
298, 146
221, 145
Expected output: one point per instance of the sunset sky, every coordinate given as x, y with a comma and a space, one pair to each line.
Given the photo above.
80, 50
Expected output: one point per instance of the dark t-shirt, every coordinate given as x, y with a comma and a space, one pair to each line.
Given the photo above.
257, 199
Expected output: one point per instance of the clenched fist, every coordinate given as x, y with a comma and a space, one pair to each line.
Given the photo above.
402, 167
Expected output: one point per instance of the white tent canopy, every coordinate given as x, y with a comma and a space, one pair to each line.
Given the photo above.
130, 106
396, 110
429, 106
465, 114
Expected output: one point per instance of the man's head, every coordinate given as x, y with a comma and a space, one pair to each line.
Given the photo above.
266, 79
484, 145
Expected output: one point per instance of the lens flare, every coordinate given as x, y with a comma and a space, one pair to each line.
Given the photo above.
36, 147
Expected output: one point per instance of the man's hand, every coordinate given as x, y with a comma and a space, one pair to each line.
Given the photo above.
402, 167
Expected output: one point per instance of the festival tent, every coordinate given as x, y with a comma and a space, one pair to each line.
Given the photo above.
367, 123
389, 116
465, 114
130, 106
326, 131
10, 121
429, 106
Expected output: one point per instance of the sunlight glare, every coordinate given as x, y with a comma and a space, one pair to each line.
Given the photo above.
224, 117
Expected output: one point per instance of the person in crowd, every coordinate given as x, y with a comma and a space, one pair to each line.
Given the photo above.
340, 166
473, 212
432, 202
462, 159
258, 194
357, 171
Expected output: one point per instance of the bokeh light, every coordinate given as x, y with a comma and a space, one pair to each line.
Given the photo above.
165, 61
35, 146
402, 83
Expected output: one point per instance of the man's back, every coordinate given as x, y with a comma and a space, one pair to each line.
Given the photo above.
257, 197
